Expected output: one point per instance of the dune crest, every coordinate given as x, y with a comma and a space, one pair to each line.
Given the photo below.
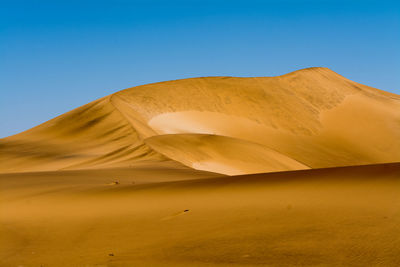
313, 117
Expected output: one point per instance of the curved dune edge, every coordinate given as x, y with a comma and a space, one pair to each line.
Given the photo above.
96, 135
314, 116
221, 154
358, 131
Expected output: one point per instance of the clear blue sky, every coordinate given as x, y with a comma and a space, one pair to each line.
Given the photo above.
58, 55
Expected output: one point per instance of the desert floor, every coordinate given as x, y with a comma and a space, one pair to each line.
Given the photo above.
175, 216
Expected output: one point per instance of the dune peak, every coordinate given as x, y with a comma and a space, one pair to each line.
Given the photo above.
309, 118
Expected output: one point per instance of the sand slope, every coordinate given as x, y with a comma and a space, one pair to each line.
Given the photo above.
94, 135
347, 216
221, 154
310, 118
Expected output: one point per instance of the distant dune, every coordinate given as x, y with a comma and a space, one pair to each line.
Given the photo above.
296, 170
311, 118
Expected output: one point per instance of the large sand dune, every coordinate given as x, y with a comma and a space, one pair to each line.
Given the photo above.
310, 118
216, 171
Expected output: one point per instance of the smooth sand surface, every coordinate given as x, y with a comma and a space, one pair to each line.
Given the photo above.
347, 216
221, 154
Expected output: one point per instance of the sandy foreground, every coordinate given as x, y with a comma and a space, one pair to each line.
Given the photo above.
170, 216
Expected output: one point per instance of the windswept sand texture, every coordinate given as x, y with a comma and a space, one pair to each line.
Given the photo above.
139, 178
347, 216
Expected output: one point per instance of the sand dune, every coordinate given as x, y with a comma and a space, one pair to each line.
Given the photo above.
345, 216
164, 175
313, 116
